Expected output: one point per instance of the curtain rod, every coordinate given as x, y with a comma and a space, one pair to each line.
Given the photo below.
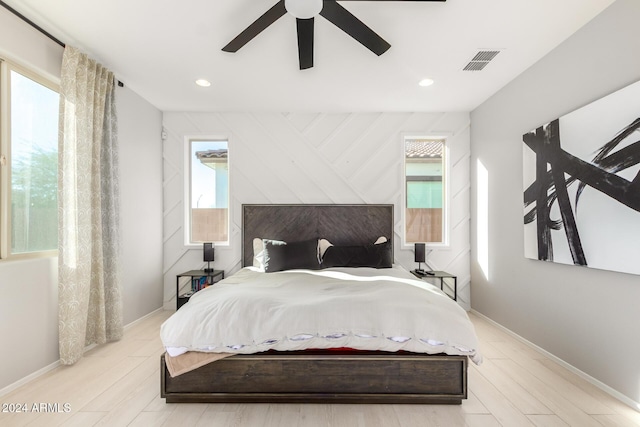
39, 28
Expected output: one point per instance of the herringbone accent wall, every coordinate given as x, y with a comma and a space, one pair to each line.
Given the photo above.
314, 158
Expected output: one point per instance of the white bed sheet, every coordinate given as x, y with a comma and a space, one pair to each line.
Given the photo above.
360, 308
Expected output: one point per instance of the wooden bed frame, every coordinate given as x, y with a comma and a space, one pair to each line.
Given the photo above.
320, 376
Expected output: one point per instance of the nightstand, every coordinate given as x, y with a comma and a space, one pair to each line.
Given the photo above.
210, 278
442, 275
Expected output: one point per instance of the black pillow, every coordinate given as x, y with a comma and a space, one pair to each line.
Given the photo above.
376, 256
287, 256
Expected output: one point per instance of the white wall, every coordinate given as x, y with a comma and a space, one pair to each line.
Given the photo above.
26, 46
139, 129
28, 288
587, 317
314, 158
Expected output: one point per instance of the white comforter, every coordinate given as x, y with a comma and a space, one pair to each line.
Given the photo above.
360, 308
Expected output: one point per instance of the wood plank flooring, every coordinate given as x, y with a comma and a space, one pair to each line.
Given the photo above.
118, 384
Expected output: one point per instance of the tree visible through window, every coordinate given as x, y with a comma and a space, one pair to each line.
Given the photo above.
30, 211
425, 190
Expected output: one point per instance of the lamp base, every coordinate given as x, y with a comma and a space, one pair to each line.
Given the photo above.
208, 269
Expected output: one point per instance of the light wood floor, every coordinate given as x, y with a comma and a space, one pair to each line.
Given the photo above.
118, 384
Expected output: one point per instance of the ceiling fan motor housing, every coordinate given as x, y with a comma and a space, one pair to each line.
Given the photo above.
303, 9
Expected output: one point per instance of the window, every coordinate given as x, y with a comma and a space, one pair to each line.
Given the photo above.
28, 162
425, 178
208, 211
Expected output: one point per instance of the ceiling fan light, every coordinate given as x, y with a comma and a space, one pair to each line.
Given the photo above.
303, 9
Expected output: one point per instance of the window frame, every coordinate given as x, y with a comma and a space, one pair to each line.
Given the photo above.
446, 186
6, 67
186, 150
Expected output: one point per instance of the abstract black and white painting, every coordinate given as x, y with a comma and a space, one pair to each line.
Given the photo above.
582, 185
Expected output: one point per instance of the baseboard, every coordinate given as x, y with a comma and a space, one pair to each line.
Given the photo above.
11, 387
135, 322
8, 389
602, 386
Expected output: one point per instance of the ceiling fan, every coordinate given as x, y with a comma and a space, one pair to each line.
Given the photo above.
305, 11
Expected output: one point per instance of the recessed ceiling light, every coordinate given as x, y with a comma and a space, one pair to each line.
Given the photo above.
203, 82
425, 82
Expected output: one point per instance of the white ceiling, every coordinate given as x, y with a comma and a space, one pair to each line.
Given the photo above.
158, 48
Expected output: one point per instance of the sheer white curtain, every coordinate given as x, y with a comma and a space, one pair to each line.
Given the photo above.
89, 290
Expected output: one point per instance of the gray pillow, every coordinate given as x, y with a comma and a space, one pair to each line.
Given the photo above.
280, 256
376, 256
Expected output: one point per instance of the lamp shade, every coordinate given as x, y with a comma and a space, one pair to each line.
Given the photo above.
419, 252
208, 252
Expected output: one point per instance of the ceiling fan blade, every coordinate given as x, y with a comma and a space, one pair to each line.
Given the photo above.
305, 42
343, 19
268, 18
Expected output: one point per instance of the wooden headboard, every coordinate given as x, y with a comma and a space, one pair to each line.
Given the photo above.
340, 224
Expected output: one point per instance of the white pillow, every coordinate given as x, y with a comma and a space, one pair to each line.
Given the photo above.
380, 240
323, 245
258, 253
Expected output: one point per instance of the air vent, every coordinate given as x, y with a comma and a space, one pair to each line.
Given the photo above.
480, 60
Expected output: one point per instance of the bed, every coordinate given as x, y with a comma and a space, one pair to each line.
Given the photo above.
320, 362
